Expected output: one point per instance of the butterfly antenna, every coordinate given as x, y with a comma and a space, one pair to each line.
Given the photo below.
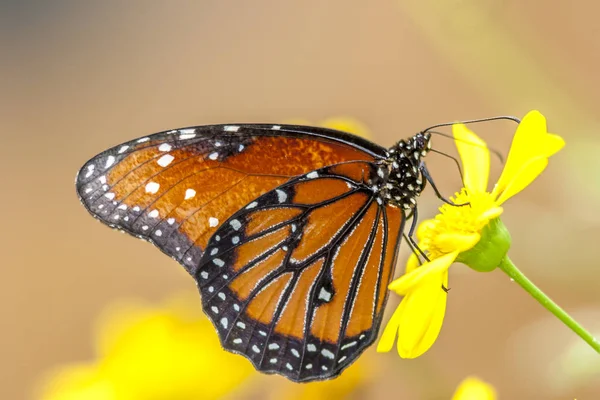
453, 159
494, 151
473, 121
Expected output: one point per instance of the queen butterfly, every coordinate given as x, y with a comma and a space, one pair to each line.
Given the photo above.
291, 232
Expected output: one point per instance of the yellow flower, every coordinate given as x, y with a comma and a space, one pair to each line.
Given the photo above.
474, 389
152, 353
344, 124
472, 234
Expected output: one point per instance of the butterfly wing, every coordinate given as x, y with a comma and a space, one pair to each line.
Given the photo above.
296, 280
175, 188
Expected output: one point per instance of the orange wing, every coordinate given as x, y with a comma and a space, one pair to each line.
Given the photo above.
296, 281
176, 188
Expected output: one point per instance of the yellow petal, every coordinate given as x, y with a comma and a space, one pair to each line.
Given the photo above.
424, 228
412, 263
475, 158
346, 124
474, 389
421, 317
531, 141
489, 215
435, 267
386, 342
551, 144
456, 241
523, 178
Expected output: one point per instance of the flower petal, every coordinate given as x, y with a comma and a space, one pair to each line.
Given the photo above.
474, 389
386, 342
408, 281
412, 263
531, 141
523, 178
460, 242
475, 158
424, 228
421, 315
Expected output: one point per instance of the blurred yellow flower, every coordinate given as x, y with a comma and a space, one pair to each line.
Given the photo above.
152, 353
344, 124
472, 234
474, 389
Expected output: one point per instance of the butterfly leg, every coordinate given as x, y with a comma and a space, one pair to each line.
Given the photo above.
410, 237
429, 179
413, 244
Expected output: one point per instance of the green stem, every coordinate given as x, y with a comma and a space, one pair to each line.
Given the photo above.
509, 268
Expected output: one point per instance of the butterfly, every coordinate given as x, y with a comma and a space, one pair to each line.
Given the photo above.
290, 232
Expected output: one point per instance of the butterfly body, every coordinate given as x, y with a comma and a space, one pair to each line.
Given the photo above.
290, 232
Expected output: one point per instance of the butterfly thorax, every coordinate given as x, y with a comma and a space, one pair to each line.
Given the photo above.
403, 180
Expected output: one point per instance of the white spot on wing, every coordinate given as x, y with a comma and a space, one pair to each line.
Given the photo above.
276, 127
312, 175
187, 135
153, 214
218, 262
224, 322
165, 160
255, 349
109, 161
281, 195
231, 128
204, 275
165, 147
212, 222
152, 187
189, 193
328, 354
123, 149
347, 346
295, 353
213, 156
109, 195
324, 295
311, 348
142, 140
235, 224
273, 346
251, 205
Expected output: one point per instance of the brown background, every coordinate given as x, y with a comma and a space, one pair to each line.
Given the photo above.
78, 77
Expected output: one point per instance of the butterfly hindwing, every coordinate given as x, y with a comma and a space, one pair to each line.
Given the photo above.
296, 280
176, 188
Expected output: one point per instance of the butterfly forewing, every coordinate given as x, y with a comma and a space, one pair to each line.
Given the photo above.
296, 279
176, 188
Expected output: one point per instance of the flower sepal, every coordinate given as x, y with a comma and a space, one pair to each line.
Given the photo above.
491, 249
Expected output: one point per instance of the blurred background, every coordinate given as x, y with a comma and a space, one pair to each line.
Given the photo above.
83, 306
